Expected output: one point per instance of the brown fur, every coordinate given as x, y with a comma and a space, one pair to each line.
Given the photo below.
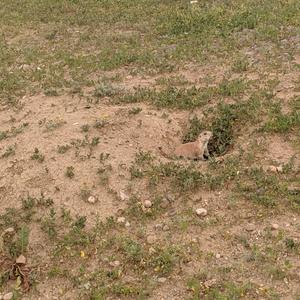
195, 150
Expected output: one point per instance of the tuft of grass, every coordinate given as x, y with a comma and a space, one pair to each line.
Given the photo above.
105, 90
51, 125
37, 155
193, 131
85, 128
61, 149
49, 224
261, 188
240, 65
20, 244
282, 123
170, 97
10, 150
135, 111
70, 172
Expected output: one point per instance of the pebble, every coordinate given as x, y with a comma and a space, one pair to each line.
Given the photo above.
121, 220
87, 286
21, 260
123, 196
162, 279
218, 255
147, 203
201, 212
272, 169
170, 198
275, 226
115, 263
166, 228
8, 296
151, 239
159, 226
127, 224
152, 250
9, 230
210, 283
164, 203
250, 227
279, 169
92, 199
172, 213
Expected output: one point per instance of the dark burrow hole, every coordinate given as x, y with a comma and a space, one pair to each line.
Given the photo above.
222, 125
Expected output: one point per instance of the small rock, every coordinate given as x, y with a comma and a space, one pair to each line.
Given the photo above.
92, 199
201, 212
164, 203
218, 255
250, 227
166, 228
272, 169
115, 263
21, 260
9, 230
151, 239
8, 296
275, 226
123, 196
159, 226
87, 286
210, 283
127, 224
151, 250
161, 279
147, 203
170, 198
121, 220
172, 213
294, 190
279, 169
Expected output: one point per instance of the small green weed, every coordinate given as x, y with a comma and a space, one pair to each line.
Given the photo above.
70, 172
37, 156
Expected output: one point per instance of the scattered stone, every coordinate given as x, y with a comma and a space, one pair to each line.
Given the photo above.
201, 212
161, 279
151, 250
210, 283
87, 286
123, 196
127, 224
151, 239
159, 226
164, 203
279, 169
250, 227
9, 230
294, 190
218, 255
92, 199
121, 220
166, 228
147, 204
21, 260
275, 226
8, 296
115, 263
272, 169
170, 198
172, 213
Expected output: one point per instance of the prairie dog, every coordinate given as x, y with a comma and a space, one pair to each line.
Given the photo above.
195, 150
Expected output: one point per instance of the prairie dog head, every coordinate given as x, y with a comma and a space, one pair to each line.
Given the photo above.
204, 136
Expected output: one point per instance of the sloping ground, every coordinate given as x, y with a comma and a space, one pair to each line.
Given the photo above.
89, 93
